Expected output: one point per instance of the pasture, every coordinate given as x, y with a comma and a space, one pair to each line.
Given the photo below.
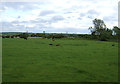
34, 60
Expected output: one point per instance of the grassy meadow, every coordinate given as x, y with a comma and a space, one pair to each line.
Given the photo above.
34, 60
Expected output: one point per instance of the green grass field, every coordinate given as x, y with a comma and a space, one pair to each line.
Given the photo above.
34, 60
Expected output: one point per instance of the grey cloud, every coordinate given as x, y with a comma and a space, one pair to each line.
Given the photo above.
17, 5
6, 24
36, 21
9, 26
40, 25
90, 17
15, 22
110, 18
80, 18
53, 19
75, 7
24, 21
92, 12
68, 12
57, 18
71, 9
82, 14
43, 23
2, 7
39, 21
68, 17
46, 12
18, 26
20, 23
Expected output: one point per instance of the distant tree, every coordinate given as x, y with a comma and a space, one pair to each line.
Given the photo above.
58, 36
100, 31
40, 34
33, 35
106, 34
24, 35
3, 36
93, 33
12, 36
116, 30
49, 36
99, 26
15, 35
7, 36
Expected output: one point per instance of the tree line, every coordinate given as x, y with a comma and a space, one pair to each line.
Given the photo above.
99, 31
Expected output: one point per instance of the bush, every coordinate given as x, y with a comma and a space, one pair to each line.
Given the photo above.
59, 36
7, 36
12, 36
24, 35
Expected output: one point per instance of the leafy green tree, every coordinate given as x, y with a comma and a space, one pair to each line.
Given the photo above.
33, 35
116, 30
99, 26
12, 36
40, 34
100, 31
59, 36
24, 35
106, 34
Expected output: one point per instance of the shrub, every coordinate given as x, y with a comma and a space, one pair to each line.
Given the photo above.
24, 35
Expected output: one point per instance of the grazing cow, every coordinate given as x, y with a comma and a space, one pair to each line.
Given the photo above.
50, 44
25, 38
12, 36
113, 44
3, 36
57, 44
7, 36
53, 39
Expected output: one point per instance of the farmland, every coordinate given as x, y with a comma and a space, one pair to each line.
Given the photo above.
34, 60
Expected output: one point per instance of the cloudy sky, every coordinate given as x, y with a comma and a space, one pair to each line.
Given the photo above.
71, 16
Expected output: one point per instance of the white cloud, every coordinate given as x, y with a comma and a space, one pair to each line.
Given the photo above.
58, 15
